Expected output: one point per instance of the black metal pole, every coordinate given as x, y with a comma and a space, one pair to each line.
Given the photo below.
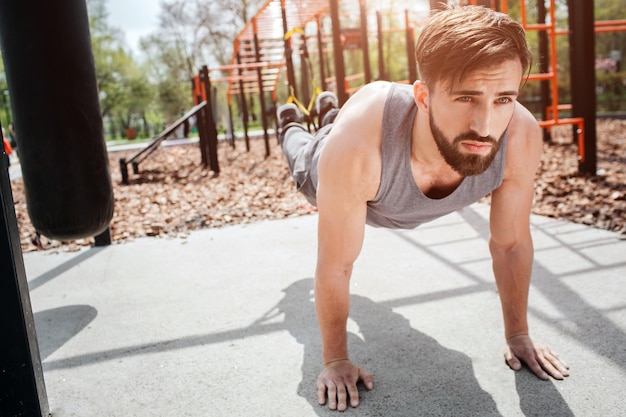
583, 76
259, 72
244, 105
321, 54
104, 238
340, 70
544, 65
202, 125
231, 126
275, 107
291, 75
305, 77
210, 123
22, 387
202, 136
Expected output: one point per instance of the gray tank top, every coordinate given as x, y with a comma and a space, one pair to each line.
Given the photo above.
399, 203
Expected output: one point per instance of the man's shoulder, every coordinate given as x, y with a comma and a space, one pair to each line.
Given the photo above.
377, 86
353, 146
362, 113
524, 141
523, 121
523, 130
374, 96
369, 94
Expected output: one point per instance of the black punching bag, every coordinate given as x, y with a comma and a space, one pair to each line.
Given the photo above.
50, 72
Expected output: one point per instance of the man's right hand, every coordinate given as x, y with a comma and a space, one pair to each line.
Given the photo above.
338, 381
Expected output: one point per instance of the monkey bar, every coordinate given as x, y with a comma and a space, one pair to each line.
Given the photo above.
278, 35
268, 37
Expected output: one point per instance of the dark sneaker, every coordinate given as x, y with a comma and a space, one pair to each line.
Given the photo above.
326, 104
288, 113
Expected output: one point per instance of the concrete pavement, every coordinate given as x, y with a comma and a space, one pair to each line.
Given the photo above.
222, 323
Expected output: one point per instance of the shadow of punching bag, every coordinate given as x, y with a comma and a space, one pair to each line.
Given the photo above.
50, 72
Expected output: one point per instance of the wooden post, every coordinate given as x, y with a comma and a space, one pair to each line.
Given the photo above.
583, 77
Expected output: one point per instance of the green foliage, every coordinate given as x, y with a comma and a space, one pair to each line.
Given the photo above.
190, 35
5, 106
174, 98
126, 94
611, 91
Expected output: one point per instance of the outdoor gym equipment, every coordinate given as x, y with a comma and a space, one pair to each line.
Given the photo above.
296, 15
207, 133
54, 95
144, 153
51, 76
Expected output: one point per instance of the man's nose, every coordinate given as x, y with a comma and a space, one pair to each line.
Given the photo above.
481, 121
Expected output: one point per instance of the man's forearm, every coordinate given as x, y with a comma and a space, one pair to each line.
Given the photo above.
332, 303
512, 269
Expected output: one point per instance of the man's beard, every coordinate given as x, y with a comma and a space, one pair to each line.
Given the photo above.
464, 164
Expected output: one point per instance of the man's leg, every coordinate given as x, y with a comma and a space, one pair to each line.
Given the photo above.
299, 146
327, 106
294, 138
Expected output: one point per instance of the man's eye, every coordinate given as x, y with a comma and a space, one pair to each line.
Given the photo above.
504, 100
464, 99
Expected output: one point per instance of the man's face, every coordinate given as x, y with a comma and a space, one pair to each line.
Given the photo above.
464, 163
468, 120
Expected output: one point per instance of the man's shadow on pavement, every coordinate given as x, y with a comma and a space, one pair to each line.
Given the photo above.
413, 374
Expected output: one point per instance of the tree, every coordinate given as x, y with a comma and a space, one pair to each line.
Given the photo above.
125, 91
192, 33
171, 69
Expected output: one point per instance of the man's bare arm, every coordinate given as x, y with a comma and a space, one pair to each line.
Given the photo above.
512, 249
349, 173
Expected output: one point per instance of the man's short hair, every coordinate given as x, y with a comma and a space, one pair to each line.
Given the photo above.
460, 40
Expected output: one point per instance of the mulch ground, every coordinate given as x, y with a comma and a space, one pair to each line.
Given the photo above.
173, 194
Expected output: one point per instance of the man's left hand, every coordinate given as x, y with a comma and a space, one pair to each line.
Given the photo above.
542, 360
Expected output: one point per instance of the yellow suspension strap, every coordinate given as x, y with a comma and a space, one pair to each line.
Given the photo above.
292, 31
305, 110
316, 90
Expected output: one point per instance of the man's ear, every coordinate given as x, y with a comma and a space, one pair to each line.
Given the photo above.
421, 95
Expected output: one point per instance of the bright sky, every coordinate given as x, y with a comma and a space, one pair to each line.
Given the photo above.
136, 18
